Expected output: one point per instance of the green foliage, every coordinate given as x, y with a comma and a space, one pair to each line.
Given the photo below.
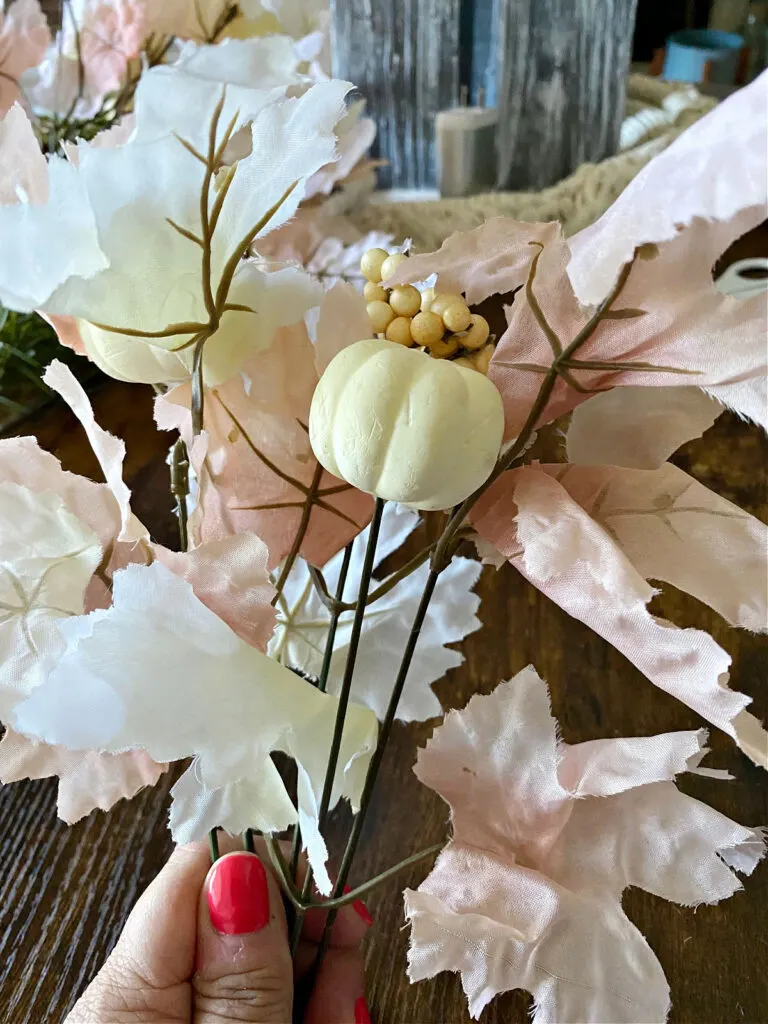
27, 345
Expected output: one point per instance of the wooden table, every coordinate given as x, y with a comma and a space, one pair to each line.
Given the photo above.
65, 893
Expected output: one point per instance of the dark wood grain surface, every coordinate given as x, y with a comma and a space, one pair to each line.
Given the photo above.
562, 68
65, 893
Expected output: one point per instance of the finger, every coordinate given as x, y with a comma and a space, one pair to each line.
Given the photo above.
244, 970
349, 929
337, 997
146, 977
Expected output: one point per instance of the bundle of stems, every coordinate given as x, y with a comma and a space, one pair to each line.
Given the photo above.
298, 888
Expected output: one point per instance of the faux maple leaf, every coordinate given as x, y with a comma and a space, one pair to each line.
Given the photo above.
546, 838
24, 38
222, 702
259, 473
302, 623
647, 524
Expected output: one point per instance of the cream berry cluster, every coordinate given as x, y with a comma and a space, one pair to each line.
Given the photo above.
439, 322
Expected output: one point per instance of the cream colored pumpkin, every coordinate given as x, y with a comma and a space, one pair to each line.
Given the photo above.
398, 424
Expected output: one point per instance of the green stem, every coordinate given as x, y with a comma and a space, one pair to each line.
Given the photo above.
376, 761
322, 681
213, 844
344, 693
337, 903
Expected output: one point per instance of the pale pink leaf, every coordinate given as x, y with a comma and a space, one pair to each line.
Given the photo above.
571, 559
658, 839
259, 455
504, 927
638, 427
108, 449
24, 38
675, 530
230, 577
87, 779
715, 169
685, 333
111, 34
343, 320
607, 767
492, 259
528, 892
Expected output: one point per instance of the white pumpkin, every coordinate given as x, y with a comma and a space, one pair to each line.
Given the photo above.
396, 423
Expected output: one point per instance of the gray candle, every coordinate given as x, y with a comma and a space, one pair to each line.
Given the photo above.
466, 151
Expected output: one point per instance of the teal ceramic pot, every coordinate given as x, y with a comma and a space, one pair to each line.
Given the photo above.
688, 53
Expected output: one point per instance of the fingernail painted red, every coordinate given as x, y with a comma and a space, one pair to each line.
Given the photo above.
238, 894
360, 908
361, 1012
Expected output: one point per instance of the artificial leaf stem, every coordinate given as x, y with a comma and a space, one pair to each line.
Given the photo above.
322, 681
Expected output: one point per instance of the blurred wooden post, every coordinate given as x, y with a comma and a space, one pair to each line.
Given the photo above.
561, 86
403, 55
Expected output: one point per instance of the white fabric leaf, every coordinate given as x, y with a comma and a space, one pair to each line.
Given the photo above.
108, 449
51, 235
47, 558
528, 892
299, 638
259, 802
188, 686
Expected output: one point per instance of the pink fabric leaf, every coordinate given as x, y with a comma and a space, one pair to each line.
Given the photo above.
230, 576
108, 449
23, 170
111, 34
24, 38
638, 427
259, 463
87, 779
678, 331
507, 904
343, 320
568, 556
677, 531
714, 170
488, 260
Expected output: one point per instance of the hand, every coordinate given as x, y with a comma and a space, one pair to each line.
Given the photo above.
209, 945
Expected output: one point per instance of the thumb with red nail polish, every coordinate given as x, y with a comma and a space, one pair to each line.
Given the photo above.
243, 967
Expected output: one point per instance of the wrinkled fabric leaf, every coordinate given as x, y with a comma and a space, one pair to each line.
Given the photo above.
678, 331
24, 38
230, 577
527, 894
570, 558
222, 702
677, 531
638, 427
47, 558
302, 626
492, 259
680, 184
663, 323
108, 449
87, 779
